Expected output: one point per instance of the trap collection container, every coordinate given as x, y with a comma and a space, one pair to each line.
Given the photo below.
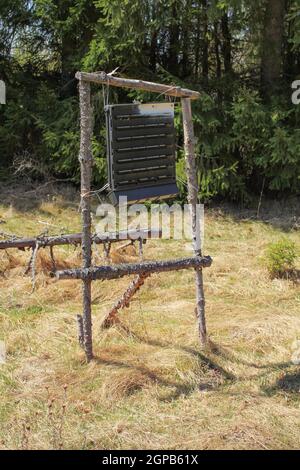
141, 151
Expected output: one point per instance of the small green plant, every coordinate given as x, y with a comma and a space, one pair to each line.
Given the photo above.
280, 257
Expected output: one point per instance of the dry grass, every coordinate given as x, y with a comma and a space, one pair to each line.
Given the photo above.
150, 385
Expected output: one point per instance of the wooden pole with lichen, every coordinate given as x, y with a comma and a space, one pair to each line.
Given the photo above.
85, 159
192, 183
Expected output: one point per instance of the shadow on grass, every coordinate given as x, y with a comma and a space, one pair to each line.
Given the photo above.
288, 383
282, 215
213, 349
290, 275
216, 376
26, 196
204, 359
231, 357
180, 388
213, 375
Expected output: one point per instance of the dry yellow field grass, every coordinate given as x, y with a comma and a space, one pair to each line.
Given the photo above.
150, 385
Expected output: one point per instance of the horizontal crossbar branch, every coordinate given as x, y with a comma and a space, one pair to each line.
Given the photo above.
106, 79
76, 239
147, 267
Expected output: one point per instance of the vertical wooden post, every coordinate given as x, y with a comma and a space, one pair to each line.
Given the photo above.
85, 158
192, 183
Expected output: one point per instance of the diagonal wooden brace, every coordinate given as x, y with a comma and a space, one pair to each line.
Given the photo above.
124, 301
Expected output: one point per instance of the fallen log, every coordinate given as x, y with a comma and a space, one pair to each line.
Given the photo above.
76, 238
147, 267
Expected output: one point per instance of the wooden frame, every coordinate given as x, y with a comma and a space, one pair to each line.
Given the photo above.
89, 273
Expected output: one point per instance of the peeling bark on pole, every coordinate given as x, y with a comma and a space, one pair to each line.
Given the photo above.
192, 182
85, 158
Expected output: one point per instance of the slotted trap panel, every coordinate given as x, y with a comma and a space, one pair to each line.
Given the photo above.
141, 151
